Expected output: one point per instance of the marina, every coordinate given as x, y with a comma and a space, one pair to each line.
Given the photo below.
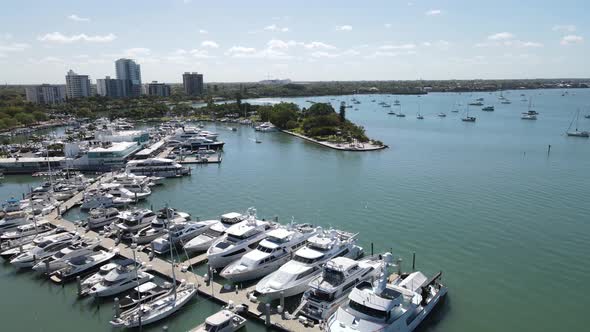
435, 214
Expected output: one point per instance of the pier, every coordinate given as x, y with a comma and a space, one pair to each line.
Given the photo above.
210, 289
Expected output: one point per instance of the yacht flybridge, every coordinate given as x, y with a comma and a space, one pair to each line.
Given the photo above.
217, 230
180, 233
238, 240
134, 220
294, 276
157, 227
50, 246
400, 305
126, 276
272, 252
339, 276
60, 259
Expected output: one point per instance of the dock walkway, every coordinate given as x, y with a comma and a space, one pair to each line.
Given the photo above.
213, 289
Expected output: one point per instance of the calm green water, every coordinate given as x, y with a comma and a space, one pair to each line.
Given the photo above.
507, 224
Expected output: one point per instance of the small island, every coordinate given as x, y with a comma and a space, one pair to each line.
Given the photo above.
320, 124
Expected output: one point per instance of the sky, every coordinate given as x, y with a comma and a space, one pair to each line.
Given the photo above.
304, 40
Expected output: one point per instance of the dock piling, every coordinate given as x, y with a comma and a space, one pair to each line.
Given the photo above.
413, 261
372, 249
47, 267
117, 307
79, 285
267, 312
282, 303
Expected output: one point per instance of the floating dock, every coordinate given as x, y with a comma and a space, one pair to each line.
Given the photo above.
208, 289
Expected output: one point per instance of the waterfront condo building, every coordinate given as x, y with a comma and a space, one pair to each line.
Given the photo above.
193, 84
46, 94
130, 73
110, 87
77, 86
157, 89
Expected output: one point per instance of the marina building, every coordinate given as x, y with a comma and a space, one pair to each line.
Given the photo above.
77, 86
46, 94
106, 156
28, 165
130, 73
157, 89
135, 136
193, 84
110, 87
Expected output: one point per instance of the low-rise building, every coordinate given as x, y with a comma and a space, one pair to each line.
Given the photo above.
110, 87
157, 89
107, 156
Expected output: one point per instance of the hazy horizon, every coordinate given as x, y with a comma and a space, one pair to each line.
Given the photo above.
331, 41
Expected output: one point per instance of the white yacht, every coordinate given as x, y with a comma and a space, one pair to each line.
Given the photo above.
13, 247
126, 276
98, 276
294, 276
102, 217
11, 205
238, 240
143, 293
133, 220
222, 321
339, 276
381, 306
14, 219
204, 241
272, 252
97, 199
81, 264
160, 167
60, 259
266, 127
157, 309
158, 226
27, 230
120, 191
179, 233
44, 249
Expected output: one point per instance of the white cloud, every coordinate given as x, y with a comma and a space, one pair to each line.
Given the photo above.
14, 47
209, 44
324, 54
240, 51
46, 60
77, 18
58, 37
571, 39
433, 12
387, 25
199, 54
135, 52
203, 31
501, 36
441, 44
343, 27
398, 47
275, 28
564, 28
280, 44
319, 46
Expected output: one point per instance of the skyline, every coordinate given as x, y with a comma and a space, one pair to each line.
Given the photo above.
383, 40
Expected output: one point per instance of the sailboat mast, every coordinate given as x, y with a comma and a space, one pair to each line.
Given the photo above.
171, 251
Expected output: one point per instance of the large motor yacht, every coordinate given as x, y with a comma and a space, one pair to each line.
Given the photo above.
204, 241
339, 276
238, 240
381, 306
14, 219
60, 259
158, 226
156, 167
294, 276
272, 252
180, 233
102, 217
26, 230
126, 276
133, 220
81, 264
50, 246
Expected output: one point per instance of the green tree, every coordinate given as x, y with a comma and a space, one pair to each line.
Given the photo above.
40, 116
342, 112
24, 118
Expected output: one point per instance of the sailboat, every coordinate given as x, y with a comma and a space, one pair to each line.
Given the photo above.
468, 118
159, 307
576, 132
400, 114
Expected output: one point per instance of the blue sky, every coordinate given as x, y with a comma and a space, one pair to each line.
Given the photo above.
234, 41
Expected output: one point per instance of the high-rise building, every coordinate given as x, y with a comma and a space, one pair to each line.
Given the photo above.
110, 87
157, 89
193, 84
77, 86
130, 73
46, 94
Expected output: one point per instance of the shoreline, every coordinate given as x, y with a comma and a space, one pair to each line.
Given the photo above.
336, 146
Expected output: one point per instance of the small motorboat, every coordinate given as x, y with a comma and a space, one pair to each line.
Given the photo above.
222, 321
441, 115
468, 119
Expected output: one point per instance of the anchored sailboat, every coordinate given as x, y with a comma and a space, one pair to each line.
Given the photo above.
576, 132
